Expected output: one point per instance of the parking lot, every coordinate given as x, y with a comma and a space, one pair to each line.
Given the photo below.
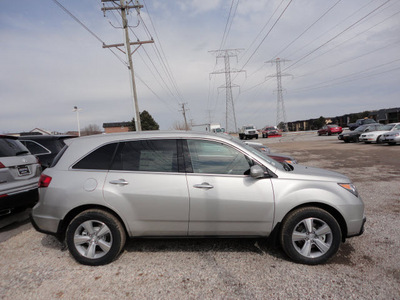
35, 265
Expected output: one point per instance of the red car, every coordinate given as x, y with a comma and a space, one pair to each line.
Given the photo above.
330, 129
269, 131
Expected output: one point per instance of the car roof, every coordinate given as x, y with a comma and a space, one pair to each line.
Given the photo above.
8, 137
110, 137
45, 137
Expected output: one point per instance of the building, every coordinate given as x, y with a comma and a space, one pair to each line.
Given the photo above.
117, 127
383, 116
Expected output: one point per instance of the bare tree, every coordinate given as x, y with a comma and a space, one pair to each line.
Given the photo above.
180, 126
91, 129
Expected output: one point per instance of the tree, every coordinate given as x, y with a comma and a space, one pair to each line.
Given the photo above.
91, 129
319, 122
181, 126
147, 121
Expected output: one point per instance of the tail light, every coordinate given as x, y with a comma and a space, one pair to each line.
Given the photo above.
2, 166
44, 181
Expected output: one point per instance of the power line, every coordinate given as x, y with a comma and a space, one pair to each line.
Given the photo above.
88, 30
267, 34
337, 35
321, 84
229, 22
308, 28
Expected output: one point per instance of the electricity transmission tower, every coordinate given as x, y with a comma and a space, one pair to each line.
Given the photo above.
124, 7
230, 116
280, 105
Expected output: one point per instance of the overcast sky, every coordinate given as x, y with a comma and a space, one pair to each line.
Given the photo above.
338, 57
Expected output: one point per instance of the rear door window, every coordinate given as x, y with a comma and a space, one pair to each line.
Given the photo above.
147, 155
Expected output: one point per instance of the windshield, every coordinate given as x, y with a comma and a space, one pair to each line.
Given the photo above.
360, 128
387, 127
259, 154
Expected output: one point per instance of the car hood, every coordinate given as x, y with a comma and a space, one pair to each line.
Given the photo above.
376, 132
311, 173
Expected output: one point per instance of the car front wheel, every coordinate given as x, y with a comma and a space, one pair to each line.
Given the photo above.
95, 237
310, 235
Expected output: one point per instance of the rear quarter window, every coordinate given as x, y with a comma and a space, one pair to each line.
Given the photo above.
99, 159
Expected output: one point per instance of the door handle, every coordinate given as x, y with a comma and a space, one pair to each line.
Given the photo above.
204, 185
119, 181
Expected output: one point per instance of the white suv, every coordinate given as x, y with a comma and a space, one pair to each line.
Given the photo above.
19, 176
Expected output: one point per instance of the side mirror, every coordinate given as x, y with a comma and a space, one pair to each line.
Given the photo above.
256, 172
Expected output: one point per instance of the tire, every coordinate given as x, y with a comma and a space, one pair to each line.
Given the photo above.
256, 137
378, 140
95, 237
241, 136
356, 139
392, 143
310, 235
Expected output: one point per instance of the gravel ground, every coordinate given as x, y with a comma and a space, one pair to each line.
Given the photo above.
36, 266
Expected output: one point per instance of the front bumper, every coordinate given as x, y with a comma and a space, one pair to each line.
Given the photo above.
361, 230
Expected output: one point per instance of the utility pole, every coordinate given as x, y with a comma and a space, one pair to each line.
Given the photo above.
124, 9
184, 116
229, 105
280, 105
76, 109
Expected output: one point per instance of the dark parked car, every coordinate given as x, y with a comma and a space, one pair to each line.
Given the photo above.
359, 122
45, 147
354, 136
19, 176
330, 129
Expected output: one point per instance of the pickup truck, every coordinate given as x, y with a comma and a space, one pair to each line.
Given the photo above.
248, 132
360, 122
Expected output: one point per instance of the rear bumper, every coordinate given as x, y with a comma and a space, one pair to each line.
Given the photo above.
24, 199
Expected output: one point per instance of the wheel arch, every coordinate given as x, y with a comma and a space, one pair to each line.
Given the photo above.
63, 225
334, 212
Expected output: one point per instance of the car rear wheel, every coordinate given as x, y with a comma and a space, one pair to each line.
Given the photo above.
310, 235
95, 237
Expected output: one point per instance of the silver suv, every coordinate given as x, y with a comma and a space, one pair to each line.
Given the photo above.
19, 176
102, 189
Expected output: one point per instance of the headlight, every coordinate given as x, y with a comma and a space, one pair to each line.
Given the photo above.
349, 187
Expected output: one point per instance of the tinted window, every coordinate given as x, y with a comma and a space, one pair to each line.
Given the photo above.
100, 159
11, 147
147, 155
35, 148
217, 158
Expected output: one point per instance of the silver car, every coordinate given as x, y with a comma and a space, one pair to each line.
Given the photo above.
19, 176
102, 189
392, 137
